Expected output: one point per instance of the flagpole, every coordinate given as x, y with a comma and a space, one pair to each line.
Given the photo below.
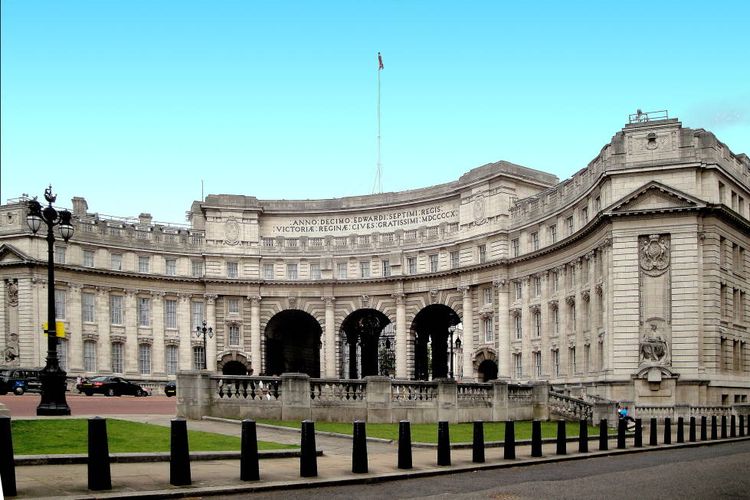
378, 185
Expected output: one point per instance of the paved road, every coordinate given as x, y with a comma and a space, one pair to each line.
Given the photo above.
719, 471
25, 406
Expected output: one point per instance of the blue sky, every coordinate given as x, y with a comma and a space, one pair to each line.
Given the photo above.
132, 103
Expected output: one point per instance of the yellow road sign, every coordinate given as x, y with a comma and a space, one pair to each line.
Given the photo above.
59, 328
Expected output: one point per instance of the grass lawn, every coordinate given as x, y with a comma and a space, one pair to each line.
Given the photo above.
61, 436
427, 433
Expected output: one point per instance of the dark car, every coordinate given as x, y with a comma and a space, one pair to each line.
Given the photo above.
111, 386
170, 389
20, 380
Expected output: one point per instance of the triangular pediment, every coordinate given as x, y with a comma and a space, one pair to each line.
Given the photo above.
11, 255
656, 197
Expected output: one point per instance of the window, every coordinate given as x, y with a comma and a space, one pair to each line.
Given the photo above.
556, 362
552, 231
144, 359
234, 334
233, 305
116, 262
196, 315
518, 364
454, 260
537, 286
537, 364
143, 264
534, 240
87, 307
722, 192
573, 317
88, 258
514, 247
597, 203
569, 225
115, 309
232, 270
117, 357
59, 254
267, 271
537, 324
198, 358
196, 268
291, 271
738, 258
487, 292
171, 267
411, 264
482, 254
739, 305
342, 270
586, 358
433, 263
314, 271
488, 329
555, 321
572, 270
89, 356
62, 353
60, 304
144, 311
572, 366
518, 288
386, 268
600, 355
170, 314
171, 357
518, 323
554, 281
723, 309
364, 269
585, 214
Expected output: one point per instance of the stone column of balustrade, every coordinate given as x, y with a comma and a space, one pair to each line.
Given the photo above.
130, 311
329, 342
401, 336
255, 356
73, 330
157, 324
211, 340
186, 334
504, 328
103, 322
468, 324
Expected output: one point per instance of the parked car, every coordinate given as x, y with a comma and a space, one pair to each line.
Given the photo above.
110, 386
171, 388
20, 380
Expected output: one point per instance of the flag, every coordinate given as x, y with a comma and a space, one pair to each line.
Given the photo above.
380, 62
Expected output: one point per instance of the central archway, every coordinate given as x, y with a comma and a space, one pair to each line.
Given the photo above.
293, 344
361, 333
431, 331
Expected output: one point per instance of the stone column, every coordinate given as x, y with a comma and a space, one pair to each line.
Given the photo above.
295, 396
255, 356
503, 329
186, 333
131, 333
468, 324
104, 345
447, 400
329, 341
74, 330
157, 323
211, 341
546, 328
401, 336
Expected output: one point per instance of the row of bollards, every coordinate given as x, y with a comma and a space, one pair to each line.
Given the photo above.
99, 475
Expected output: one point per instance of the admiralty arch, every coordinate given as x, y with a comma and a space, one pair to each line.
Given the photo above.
628, 280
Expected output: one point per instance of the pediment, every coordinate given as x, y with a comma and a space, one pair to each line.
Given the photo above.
656, 197
11, 255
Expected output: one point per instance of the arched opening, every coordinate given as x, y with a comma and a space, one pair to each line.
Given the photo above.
362, 350
293, 344
487, 370
432, 328
234, 368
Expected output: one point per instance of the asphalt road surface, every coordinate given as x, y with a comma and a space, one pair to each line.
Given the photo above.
705, 472
25, 406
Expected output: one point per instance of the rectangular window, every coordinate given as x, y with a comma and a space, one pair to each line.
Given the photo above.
600, 355
552, 233
572, 271
586, 358
171, 267
518, 364
196, 268
386, 268
342, 270
454, 260
117, 357
60, 304
233, 305
538, 364
198, 358
88, 258
88, 309
572, 317
572, 366
722, 252
144, 311
482, 254
59, 254
556, 362
537, 286
89, 356
144, 359
597, 203
315, 271
514, 247
433, 263
117, 262
488, 329
170, 314
555, 321
364, 269
537, 324
569, 225
143, 264
517, 319
738, 260
535, 241
196, 315
554, 279
171, 357
115, 309
62, 353
232, 270
234, 334
585, 214
411, 264
487, 292
291, 271
518, 288
723, 310
267, 271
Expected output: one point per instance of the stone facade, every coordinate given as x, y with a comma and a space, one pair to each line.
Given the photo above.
628, 281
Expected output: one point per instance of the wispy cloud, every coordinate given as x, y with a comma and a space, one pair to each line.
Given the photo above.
721, 114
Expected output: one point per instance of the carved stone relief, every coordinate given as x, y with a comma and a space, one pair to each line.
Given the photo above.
655, 300
231, 231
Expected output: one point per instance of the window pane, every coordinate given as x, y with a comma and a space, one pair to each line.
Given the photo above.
89, 356
171, 355
117, 357
144, 359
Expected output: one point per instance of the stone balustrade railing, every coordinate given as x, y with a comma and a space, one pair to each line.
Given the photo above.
337, 390
570, 408
413, 391
252, 388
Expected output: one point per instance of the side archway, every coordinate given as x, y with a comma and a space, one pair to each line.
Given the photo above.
362, 349
293, 343
485, 364
234, 363
431, 330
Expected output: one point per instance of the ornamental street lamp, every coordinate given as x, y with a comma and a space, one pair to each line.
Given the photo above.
204, 331
52, 376
451, 331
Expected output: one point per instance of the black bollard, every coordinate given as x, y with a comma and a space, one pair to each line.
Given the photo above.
404, 445
603, 435
100, 477
583, 436
359, 448
704, 428
733, 426
179, 457
308, 462
742, 425
561, 438
680, 430
477, 448
667, 430
536, 438
622, 426
249, 467
652, 441
714, 434
7, 461
723, 427
691, 431
444, 444
509, 444
638, 438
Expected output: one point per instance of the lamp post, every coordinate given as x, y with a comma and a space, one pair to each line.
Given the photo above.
52, 376
204, 331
